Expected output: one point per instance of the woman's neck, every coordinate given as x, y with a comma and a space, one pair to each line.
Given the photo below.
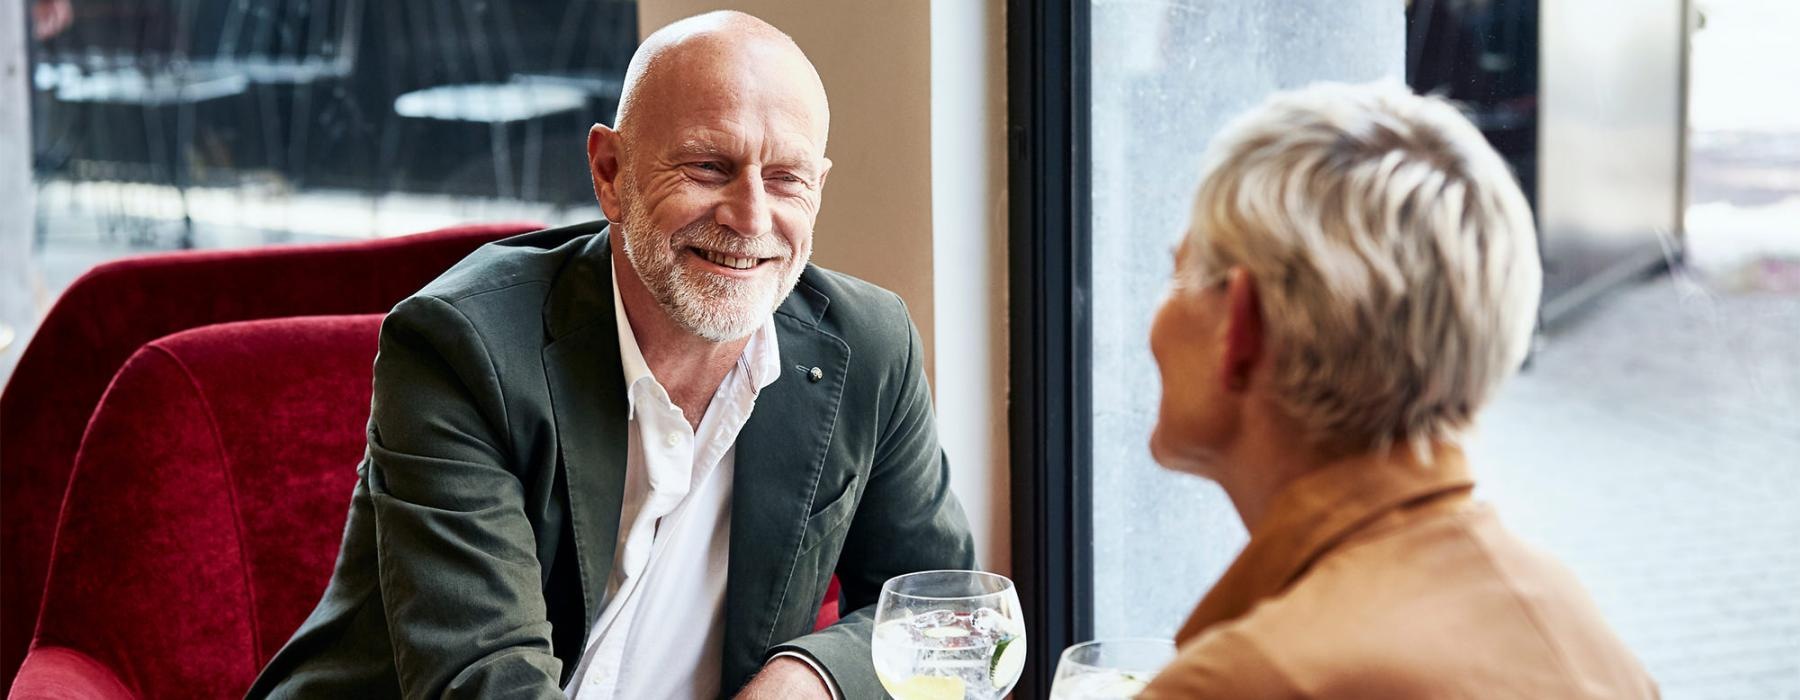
1269, 456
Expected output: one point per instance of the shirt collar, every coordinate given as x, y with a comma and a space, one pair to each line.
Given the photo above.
1316, 513
631, 357
761, 358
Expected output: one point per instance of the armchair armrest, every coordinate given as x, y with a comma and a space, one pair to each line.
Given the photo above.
61, 673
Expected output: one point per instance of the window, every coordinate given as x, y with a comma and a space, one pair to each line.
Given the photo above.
1166, 77
1649, 444
163, 124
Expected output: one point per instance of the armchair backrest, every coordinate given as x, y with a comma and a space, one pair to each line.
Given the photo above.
113, 309
206, 506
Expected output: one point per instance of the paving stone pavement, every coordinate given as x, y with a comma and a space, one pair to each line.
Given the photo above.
1654, 446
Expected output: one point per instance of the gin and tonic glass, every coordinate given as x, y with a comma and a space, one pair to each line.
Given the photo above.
1111, 669
949, 635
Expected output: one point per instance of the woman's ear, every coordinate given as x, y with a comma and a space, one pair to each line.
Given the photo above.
1243, 330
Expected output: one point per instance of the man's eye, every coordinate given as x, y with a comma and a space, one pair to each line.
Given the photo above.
707, 172
787, 185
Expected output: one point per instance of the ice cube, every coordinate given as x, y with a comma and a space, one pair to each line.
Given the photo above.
988, 622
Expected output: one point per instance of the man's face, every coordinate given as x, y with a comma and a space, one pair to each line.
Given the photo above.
720, 185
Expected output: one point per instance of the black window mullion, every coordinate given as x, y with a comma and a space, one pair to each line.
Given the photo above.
1050, 402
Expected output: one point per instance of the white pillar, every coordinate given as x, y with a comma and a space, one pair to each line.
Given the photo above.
17, 306
969, 224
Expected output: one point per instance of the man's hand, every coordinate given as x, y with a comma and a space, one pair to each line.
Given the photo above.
786, 678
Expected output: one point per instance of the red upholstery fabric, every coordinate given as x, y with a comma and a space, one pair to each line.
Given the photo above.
207, 503
66, 674
117, 307
828, 613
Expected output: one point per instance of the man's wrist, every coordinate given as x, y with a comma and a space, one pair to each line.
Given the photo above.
791, 674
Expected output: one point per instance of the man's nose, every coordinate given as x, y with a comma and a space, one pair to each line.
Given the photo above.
745, 209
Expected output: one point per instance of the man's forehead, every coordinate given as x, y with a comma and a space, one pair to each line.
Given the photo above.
739, 138
739, 85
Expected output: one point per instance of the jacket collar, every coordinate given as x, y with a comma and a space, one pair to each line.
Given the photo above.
1316, 513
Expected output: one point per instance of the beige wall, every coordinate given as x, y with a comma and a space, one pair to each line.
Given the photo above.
916, 201
875, 59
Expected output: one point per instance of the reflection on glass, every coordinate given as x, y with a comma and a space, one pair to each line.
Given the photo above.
172, 123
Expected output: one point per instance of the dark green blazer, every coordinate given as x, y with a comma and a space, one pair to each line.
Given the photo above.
482, 528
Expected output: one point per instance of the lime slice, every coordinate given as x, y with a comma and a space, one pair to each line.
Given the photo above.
946, 632
924, 688
1008, 662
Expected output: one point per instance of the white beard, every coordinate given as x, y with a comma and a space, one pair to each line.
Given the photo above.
714, 307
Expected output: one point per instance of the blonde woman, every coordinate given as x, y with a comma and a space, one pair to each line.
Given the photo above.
1360, 274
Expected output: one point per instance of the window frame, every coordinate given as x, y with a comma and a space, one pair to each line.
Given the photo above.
1050, 407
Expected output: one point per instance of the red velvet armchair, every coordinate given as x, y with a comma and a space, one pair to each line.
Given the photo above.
117, 307
204, 511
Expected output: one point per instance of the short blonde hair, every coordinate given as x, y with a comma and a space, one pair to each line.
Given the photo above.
1394, 255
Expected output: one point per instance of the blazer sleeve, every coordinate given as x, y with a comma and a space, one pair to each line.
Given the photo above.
459, 574
908, 521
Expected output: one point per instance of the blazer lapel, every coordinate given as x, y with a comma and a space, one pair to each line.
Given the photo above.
781, 455
587, 394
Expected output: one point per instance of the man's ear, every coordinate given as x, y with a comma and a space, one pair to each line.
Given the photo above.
1243, 331
604, 148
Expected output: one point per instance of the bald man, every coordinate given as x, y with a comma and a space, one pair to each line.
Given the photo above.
623, 459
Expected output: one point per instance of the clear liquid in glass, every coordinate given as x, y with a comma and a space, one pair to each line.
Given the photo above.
1101, 684
949, 655
1114, 669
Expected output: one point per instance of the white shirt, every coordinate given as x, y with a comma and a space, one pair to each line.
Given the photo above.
661, 634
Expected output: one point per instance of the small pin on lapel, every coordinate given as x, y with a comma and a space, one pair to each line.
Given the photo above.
815, 374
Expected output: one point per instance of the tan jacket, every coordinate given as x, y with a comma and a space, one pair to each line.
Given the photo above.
1392, 582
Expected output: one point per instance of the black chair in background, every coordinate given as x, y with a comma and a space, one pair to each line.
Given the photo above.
588, 55
123, 57
463, 56
290, 47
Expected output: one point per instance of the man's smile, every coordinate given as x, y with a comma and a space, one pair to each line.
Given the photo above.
730, 262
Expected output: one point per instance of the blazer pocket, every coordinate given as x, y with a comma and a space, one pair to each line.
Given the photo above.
830, 518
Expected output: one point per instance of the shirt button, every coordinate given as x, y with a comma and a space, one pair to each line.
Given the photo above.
673, 438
